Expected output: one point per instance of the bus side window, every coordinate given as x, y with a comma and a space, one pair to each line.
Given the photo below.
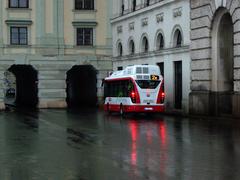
111, 89
114, 89
125, 88
130, 87
106, 92
119, 89
122, 88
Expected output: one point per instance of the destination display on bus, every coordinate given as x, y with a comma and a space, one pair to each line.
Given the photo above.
154, 77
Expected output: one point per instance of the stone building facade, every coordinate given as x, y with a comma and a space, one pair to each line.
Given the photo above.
155, 32
52, 36
215, 57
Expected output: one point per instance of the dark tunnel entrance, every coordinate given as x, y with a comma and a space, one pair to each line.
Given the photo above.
24, 91
82, 86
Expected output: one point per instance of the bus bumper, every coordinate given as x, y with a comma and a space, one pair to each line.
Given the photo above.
143, 108
135, 108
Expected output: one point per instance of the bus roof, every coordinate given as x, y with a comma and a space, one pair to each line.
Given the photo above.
136, 72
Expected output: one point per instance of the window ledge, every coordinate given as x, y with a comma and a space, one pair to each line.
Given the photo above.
84, 47
19, 9
18, 46
84, 23
84, 10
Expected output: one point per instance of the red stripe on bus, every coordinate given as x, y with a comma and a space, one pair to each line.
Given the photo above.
134, 108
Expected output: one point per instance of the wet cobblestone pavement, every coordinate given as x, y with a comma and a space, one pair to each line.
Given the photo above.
59, 144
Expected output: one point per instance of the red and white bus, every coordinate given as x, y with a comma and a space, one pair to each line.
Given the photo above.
138, 88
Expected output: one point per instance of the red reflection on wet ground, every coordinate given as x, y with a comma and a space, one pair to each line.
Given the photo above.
134, 132
162, 133
149, 136
133, 127
134, 154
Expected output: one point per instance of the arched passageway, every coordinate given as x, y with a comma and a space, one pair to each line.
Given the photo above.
82, 86
222, 61
225, 49
23, 88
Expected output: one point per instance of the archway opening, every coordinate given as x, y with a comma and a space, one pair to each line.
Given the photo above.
225, 54
21, 89
81, 86
222, 62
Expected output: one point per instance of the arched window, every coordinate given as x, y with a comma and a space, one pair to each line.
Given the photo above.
120, 49
122, 7
131, 47
160, 41
145, 46
146, 2
177, 38
133, 5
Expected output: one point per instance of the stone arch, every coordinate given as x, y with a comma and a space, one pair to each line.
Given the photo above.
177, 36
222, 51
159, 40
144, 44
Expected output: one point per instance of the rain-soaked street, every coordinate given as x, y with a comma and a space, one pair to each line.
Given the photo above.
60, 144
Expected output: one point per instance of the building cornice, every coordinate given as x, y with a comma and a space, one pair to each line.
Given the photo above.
168, 51
140, 11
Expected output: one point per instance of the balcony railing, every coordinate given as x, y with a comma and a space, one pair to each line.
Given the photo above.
136, 8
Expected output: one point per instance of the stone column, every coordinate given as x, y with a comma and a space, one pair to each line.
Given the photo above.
52, 85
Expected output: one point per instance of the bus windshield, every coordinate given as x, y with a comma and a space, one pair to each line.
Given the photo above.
147, 84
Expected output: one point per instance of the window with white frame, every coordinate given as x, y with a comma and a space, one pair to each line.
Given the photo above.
18, 3
84, 4
84, 36
18, 35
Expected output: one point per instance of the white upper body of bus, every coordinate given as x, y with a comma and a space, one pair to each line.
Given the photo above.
137, 72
